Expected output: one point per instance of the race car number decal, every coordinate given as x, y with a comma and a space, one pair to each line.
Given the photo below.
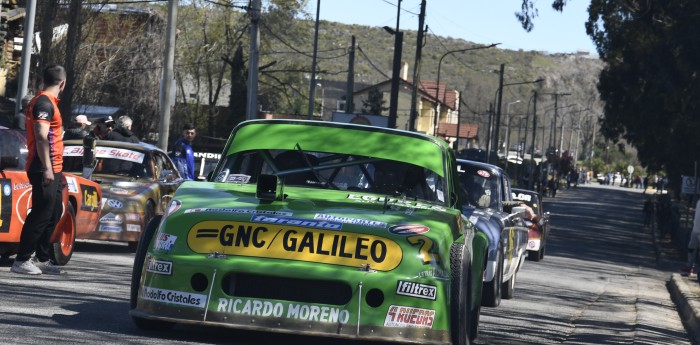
281, 241
401, 316
426, 248
522, 196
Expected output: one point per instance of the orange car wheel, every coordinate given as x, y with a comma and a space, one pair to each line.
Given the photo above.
62, 250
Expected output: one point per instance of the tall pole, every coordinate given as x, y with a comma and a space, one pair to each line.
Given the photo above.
252, 105
459, 120
416, 69
349, 105
488, 134
437, 84
312, 82
25, 61
396, 71
497, 122
166, 83
532, 150
553, 133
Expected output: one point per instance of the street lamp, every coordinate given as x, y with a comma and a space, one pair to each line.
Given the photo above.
498, 113
437, 85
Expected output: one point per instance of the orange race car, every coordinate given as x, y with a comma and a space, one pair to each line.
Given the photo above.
81, 201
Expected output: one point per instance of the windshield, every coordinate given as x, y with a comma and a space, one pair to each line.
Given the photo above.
110, 161
13, 145
334, 171
479, 186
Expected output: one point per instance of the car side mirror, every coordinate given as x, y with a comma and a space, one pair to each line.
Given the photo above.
9, 162
167, 175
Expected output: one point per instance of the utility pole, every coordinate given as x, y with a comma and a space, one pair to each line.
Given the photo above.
252, 104
26, 54
312, 82
416, 70
459, 120
396, 71
166, 84
532, 151
497, 122
350, 88
553, 133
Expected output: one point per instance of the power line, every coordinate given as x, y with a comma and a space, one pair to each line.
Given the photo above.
402, 10
371, 63
297, 50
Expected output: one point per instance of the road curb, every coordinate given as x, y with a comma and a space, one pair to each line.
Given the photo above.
684, 293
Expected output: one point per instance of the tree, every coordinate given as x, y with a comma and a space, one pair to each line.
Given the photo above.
374, 104
650, 83
239, 91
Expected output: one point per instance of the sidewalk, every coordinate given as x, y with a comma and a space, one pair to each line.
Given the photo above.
684, 291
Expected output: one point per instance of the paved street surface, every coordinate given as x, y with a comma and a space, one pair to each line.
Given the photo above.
598, 284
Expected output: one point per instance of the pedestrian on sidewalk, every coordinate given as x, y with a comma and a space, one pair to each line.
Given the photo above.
693, 243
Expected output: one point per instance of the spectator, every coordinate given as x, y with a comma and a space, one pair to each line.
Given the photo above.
182, 154
103, 127
79, 129
123, 131
20, 122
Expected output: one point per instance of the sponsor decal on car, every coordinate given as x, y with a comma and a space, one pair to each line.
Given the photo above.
163, 267
91, 199
483, 173
107, 152
347, 220
165, 242
132, 217
113, 203
72, 184
436, 272
173, 297
240, 210
111, 218
238, 178
400, 316
17, 186
307, 223
522, 196
295, 311
120, 191
417, 290
281, 241
133, 227
409, 229
110, 228
395, 202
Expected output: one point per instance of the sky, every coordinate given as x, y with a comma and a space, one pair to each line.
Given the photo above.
482, 21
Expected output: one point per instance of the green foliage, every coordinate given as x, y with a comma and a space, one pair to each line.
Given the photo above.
650, 83
375, 103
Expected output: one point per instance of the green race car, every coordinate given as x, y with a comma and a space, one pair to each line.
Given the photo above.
320, 228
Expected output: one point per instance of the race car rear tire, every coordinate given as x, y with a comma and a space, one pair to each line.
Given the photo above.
139, 261
534, 255
492, 289
508, 288
459, 296
62, 250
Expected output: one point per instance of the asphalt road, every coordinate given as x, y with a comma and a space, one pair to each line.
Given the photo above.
598, 284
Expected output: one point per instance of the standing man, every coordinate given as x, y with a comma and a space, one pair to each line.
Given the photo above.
182, 154
44, 167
